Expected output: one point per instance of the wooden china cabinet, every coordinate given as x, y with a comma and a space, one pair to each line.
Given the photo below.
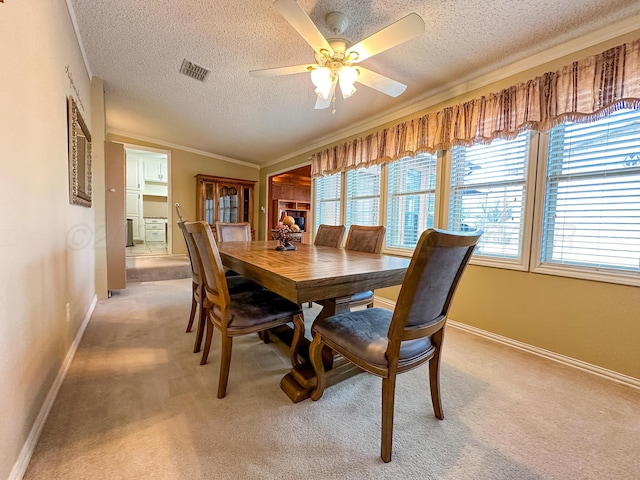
220, 199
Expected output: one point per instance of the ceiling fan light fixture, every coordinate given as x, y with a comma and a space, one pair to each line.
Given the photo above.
335, 55
324, 90
321, 78
347, 77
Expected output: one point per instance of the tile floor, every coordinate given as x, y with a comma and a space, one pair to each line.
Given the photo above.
150, 248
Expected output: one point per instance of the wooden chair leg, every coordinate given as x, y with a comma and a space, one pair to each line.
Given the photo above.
194, 306
298, 333
225, 363
388, 394
434, 375
264, 336
207, 342
202, 320
315, 356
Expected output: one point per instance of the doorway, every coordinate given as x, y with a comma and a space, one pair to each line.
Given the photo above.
147, 201
289, 194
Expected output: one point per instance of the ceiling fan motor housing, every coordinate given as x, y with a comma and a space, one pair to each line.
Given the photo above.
337, 22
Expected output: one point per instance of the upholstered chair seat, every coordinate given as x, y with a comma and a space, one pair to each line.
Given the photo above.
236, 284
386, 343
241, 313
364, 333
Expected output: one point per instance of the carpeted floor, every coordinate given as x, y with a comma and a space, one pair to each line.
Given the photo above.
162, 267
136, 404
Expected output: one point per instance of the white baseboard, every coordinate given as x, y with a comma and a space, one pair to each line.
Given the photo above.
20, 467
556, 357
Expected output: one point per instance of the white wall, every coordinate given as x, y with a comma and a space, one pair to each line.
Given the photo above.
46, 244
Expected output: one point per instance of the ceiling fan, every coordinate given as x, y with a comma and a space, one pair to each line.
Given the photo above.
335, 57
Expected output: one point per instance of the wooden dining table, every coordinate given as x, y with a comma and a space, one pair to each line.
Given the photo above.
326, 275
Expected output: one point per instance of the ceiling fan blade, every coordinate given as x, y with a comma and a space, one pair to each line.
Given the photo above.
326, 102
380, 82
274, 72
399, 32
293, 13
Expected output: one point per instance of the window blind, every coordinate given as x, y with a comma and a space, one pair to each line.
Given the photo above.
488, 191
363, 196
411, 199
592, 201
327, 207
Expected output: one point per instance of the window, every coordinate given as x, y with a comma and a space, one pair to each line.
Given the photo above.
584, 221
592, 198
327, 206
411, 199
363, 196
489, 191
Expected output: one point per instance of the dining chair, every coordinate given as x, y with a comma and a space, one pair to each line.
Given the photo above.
236, 284
233, 232
329, 235
196, 281
367, 239
240, 313
386, 343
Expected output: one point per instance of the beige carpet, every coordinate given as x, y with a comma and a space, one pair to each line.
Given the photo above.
136, 404
163, 267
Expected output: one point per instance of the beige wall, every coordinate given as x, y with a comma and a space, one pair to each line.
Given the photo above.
185, 166
48, 258
53, 254
594, 322
154, 206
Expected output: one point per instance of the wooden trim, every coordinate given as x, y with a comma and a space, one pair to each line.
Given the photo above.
211, 178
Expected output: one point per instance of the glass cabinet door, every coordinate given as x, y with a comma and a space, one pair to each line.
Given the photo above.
208, 203
228, 206
221, 199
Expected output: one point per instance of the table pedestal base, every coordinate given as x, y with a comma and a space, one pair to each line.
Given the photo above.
301, 380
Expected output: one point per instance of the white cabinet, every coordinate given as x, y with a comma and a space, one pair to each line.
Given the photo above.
133, 175
133, 208
155, 170
133, 199
155, 230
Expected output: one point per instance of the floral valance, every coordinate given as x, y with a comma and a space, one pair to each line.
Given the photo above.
581, 92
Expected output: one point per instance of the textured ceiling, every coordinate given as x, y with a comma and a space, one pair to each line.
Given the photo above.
137, 48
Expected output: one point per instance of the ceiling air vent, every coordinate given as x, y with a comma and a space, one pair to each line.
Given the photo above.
194, 71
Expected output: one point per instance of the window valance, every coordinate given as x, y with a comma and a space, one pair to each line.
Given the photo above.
581, 92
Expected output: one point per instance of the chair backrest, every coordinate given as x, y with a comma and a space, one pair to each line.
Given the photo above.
191, 250
233, 232
430, 282
179, 210
215, 283
365, 238
329, 235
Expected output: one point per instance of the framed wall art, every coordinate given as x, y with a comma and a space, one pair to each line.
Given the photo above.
79, 156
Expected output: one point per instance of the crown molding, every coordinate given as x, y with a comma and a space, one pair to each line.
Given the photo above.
468, 84
76, 30
182, 147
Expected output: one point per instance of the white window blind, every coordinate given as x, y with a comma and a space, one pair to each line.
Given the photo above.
488, 191
592, 202
411, 199
327, 206
363, 196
